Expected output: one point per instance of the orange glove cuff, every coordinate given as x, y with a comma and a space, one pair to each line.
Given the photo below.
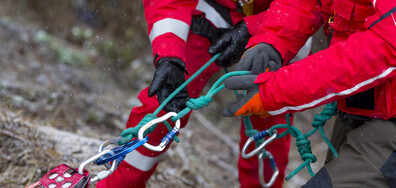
253, 107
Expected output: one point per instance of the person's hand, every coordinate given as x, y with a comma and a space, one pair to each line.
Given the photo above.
232, 45
258, 59
169, 75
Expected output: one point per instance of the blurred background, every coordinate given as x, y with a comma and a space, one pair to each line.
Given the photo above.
70, 72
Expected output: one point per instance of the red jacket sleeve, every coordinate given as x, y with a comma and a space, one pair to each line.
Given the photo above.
253, 22
168, 24
366, 59
287, 25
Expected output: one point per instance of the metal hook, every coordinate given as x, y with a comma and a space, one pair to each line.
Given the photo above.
261, 169
100, 175
259, 148
168, 137
119, 152
108, 142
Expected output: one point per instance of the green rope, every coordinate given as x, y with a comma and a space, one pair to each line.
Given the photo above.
192, 104
198, 103
249, 130
302, 142
130, 133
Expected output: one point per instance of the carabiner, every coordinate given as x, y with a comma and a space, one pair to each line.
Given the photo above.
274, 167
167, 138
108, 142
119, 152
257, 137
103, 174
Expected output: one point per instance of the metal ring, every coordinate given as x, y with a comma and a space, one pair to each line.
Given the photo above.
120, 152
259, 148
261, 170
94, 158
153, 122
108, 142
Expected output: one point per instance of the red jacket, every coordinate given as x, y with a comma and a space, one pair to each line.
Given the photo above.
359, 64
169, 21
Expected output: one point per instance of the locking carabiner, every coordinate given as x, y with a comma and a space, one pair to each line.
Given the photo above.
274, 167
167, 138
103, 174
119, 152
257, 137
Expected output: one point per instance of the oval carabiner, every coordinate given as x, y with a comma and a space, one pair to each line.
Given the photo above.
169, 136
274, 167
257, 137
103, 174
108, 142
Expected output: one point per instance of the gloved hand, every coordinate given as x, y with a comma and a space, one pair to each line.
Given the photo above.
169, 75
232, 45
258, 59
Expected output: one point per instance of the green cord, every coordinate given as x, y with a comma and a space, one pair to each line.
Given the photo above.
195, 104
302, 142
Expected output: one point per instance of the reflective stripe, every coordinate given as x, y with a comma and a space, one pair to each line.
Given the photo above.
140, 161
212, 15
374, 3
169, 25
345, 92
394, 21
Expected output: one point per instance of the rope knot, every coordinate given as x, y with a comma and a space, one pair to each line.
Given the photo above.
304, 148
329, 111
198, 103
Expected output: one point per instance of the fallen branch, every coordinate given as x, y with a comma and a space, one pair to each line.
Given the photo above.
12, 135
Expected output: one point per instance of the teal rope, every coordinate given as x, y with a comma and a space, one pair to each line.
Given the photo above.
302, 142
198, 103
196, 74
130, 133
192, 104
249, 130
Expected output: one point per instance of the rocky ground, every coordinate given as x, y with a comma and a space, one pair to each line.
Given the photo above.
66, 85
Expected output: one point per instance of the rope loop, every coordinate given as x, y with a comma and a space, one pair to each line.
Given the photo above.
130, 133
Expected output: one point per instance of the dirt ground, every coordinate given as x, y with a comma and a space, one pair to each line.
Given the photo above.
67, 83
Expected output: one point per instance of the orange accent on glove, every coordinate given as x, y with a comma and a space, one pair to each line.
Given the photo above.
253, 107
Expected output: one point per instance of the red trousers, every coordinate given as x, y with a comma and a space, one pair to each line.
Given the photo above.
140, 164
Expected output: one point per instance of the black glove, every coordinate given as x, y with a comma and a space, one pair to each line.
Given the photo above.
232, 45
258, 59
169, 75
202, 27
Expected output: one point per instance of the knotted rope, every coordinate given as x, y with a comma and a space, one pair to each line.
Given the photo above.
302, 142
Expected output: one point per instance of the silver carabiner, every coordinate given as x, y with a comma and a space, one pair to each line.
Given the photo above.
108, 142
103, 174
259, 148
164, 141
261, 169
